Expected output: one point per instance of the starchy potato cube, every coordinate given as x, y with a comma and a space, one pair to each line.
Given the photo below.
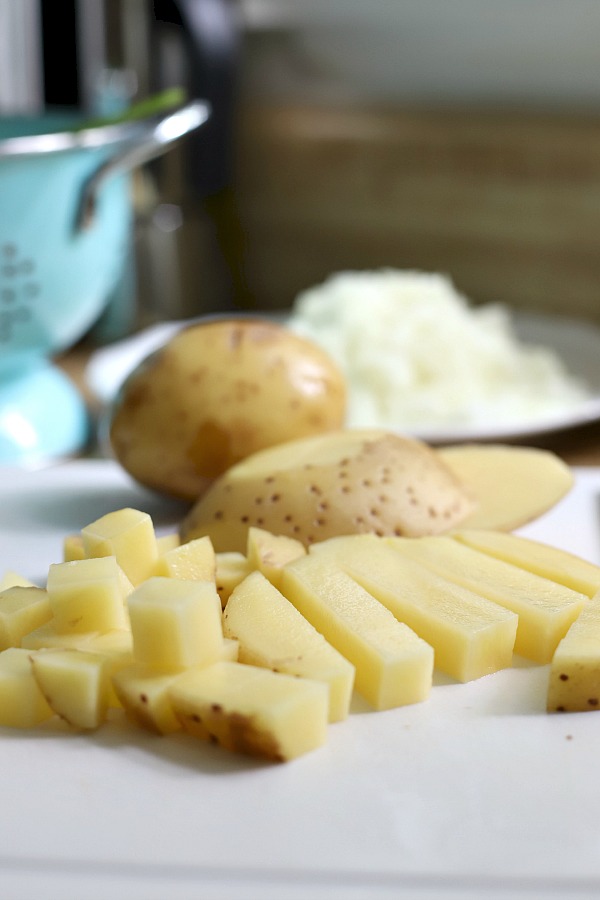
167, 541
117, 646
393, 665
13, 579
251, 710
176, 624
194, 561
73, 548
574, 683
22, 704
273, 634
47, 637
127, 534
144, 694
88, 595
268, 553
545, 609
21, 610
232, 567
75, 684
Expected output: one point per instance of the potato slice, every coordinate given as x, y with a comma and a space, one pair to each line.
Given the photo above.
346, 482
513, 485
268, 553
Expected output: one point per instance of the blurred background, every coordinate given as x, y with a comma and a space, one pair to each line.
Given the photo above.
458, 137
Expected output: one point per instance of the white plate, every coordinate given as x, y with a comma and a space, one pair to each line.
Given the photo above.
576, 342
476, 793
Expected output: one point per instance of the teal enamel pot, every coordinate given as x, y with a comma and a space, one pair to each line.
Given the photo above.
65, 231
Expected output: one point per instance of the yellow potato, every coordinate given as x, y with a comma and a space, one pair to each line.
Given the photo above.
345, 482
217, 392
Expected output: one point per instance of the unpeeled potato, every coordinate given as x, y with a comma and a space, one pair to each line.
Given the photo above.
345, 482
217, 392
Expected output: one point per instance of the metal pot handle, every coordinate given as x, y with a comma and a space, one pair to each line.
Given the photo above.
160, 136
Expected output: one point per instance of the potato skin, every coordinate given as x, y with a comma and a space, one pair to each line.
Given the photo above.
217, 392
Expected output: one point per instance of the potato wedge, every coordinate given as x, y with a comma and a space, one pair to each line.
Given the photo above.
345, 482
513, 485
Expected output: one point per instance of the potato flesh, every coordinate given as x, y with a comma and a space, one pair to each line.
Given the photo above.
22, 704
394, 667
88, 595
268, 553
471, 636
22, 609
545, 609
194, 561
75, 684
128, 535
273, 634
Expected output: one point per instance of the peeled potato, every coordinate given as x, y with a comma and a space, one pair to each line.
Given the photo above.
513, 485
345, 482
217, 392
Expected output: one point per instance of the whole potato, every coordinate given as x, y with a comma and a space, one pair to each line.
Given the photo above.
217, 392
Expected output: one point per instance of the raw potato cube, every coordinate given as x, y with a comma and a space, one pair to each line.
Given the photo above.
127, 534
268, 553
574, 684
144, 694
117, 646
168, 541
47, 637
75, 684
21, 610
545, 609
273, 634
471, 636
22, 704
13, 579
541, 559
88, 595
176, 624
194, 561
252, 710
73, 548
232, 568
393, 666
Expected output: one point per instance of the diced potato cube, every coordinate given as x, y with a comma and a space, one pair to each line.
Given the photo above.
471, 636
194, 561
574, 683
127, 534
268, 553
169, 541
231, 568
176, 624
252, 710
21, 610
393, 665
73, 548
22, 704
88, 595
75, 684
14, 579
117, 646
47, 637
273, 634
545, 609
144, 694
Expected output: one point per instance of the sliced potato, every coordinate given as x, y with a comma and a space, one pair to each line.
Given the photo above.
513, 485
345, 482
216, 392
